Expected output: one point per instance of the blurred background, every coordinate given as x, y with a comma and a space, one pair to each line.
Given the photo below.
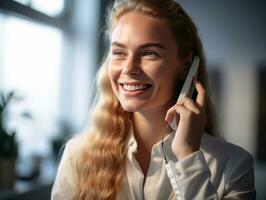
50, 52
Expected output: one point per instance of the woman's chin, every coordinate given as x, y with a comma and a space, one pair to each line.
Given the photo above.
131, 107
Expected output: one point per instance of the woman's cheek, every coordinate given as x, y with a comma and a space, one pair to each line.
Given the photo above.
160, 72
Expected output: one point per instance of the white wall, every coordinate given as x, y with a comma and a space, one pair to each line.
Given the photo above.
233, 34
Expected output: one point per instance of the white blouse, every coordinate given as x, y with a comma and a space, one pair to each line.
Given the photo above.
219, 170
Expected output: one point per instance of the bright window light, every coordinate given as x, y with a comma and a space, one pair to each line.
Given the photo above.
30, 64
49, 7
25, 2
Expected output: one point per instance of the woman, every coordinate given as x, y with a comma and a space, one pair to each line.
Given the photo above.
120, 156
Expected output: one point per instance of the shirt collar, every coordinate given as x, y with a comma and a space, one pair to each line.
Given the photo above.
132, 145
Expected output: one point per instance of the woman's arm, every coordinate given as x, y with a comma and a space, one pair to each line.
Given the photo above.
194, 177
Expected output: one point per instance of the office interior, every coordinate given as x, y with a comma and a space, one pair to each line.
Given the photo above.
50, 52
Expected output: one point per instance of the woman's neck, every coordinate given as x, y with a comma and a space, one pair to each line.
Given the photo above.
148, 127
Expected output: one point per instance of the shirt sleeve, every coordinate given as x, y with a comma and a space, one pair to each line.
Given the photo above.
64, 185
194, 177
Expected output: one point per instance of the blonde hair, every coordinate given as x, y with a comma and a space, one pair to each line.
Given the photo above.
101, 160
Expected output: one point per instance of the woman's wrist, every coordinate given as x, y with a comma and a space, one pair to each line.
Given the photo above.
183, 152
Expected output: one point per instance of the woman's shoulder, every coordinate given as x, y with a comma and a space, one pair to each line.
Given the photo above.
231, 166
67, 177
75, 143
223, 151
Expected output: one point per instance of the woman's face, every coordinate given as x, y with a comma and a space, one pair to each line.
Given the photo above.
143, 62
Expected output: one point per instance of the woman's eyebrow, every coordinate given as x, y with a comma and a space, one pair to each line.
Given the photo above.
152, 44
118, 44
145, 45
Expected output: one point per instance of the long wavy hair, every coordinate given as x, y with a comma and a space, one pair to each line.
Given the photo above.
101, 161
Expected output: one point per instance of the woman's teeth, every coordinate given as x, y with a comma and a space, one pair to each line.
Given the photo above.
134, 87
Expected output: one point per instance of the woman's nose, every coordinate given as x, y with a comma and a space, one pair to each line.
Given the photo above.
131, 66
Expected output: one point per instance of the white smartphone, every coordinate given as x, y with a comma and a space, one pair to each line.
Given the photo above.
188, 87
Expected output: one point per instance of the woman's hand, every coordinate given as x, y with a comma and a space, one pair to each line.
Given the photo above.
191, 118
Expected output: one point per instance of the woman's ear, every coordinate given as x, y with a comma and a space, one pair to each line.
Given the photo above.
185, 65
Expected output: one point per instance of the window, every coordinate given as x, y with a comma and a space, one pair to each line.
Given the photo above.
49, 7
49, 59
30, 65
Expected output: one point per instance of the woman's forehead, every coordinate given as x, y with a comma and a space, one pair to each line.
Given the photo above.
140, 27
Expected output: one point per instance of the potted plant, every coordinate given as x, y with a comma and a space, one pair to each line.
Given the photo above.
8, 145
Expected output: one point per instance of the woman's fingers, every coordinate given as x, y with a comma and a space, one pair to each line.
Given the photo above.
189, 104
170, 114
201, 97
186, 106
174, 111
183, 106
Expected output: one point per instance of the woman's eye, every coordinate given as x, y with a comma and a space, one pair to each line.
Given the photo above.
150, 53
117, 53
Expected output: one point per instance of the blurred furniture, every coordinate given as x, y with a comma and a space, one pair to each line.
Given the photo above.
32, 189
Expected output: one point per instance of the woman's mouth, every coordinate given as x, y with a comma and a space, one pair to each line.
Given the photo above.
134, 89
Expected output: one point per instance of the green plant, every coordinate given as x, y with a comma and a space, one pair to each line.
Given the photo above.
8, 142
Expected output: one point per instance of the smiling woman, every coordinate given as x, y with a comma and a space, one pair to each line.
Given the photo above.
152, 46
144, 57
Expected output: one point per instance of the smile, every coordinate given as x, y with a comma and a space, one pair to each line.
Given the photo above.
135, 87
